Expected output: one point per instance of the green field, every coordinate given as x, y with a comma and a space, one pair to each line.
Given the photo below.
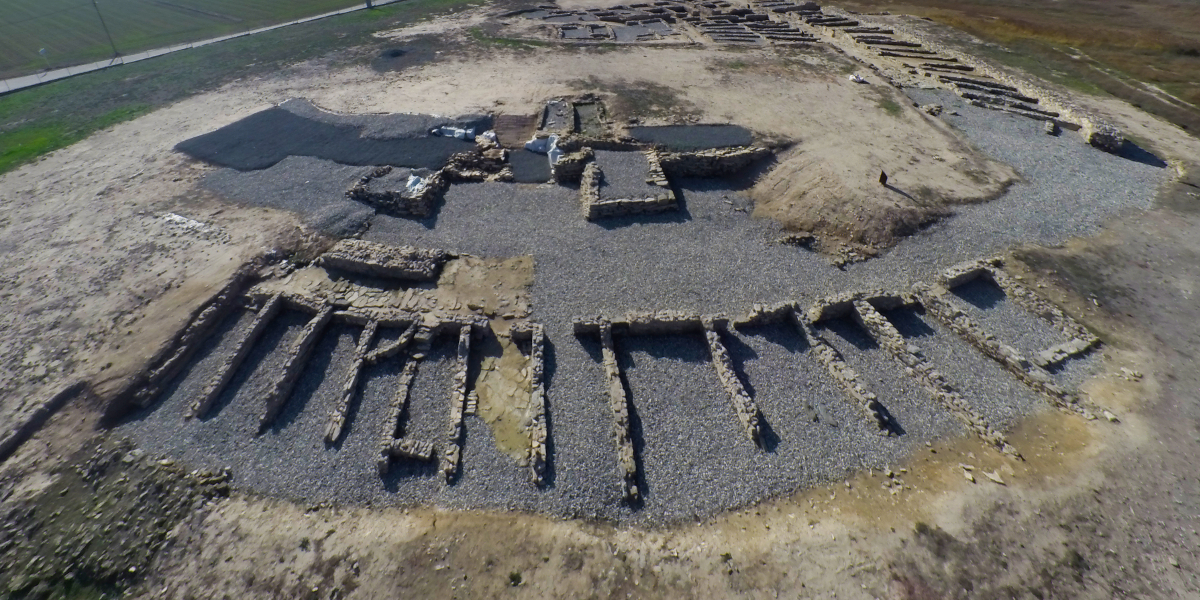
71, 33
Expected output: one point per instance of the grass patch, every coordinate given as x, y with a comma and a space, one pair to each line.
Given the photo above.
25, 143
889, 106
48, 117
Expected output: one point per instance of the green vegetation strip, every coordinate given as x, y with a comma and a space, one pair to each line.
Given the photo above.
39, 120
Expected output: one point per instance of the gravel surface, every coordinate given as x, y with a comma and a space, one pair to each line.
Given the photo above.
684, 138
708, 257
267, 137
985, 302
625, 175
314, 188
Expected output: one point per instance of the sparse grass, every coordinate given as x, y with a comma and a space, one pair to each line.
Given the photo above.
480, 36
732, 65
45, 118
638, 98
1092, 47
889, 106
23, 144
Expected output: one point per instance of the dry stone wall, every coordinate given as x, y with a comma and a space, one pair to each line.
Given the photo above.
619, 404
380, 260
718, 162
845, 377
171, 358
298, 354
389, 443
337, 416
452, 454
937, 300
915, 365
1079, 339
229, 367
595, 207
747, 411
539, 427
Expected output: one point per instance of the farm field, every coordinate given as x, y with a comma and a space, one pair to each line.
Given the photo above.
71, 33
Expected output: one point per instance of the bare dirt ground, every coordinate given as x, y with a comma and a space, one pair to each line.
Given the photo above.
96, 274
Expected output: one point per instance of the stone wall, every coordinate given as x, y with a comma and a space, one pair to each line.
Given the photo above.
595, 207
743, 405
285, 381
337, 416
391, 424
452, 453
383, 352
170, 359
1079, 339
619, 404
845, 377
539, 427
1095, 130
915, 365
380, 260
225, 372
569, 168
937, 300
718, 162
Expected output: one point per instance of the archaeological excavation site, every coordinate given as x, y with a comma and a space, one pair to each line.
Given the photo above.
661, 270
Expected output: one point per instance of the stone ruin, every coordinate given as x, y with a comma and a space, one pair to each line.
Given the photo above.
415, 193
259, 288
864, 308
892, 48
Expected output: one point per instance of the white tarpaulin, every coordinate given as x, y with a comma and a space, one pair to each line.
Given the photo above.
455, 132
547, 145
